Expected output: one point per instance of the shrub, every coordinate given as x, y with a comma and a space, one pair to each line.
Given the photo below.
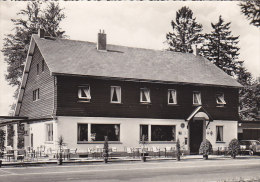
105, 150
60, 144
10, 135
178, 150
205, 148
233, 148
2, 142
20, 132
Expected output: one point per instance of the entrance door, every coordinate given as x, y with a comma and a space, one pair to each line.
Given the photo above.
196, 135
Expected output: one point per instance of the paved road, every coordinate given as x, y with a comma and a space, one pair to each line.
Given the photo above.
189, 170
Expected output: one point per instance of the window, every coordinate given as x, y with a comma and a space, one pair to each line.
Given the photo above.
84, 92
36, 94
145, 95
82, 132
42, 65
219, 133
144, 132
196, 98
49, 131
163, 133
99, 131
172, 96
37, 69
115, 94
220, 99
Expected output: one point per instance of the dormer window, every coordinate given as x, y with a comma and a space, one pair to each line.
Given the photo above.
84, 92
196, 98
220, 99
145, 95
172, 96
115, 94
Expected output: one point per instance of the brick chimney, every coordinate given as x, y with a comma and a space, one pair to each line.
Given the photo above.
41, 32
102, 41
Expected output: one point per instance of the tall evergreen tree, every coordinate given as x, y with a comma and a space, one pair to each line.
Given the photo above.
16, 44
251, 9
186, 31
220, 48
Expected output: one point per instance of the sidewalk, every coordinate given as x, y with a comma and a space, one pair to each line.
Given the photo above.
43, 161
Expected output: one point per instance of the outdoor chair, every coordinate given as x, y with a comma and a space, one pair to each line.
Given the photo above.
66, 153
30, 153
155, 151
114, 149
91, 152
21, 154
9, 154
73, 152
99, 151
129, 151
168, 151
136, 151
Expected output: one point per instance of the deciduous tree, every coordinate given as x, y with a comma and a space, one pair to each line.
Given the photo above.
16, 44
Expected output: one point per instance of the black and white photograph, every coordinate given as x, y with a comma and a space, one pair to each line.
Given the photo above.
130, 91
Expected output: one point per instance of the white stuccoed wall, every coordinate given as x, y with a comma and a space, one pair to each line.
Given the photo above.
229, 133
129, 131
39, 134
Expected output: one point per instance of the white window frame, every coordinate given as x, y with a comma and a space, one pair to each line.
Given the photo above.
47, 133
174, 97
222, 137
198, 98
118, 94
147, 94
221, 98
86, 89
36, 94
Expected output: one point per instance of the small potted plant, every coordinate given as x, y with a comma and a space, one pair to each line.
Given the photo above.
105, 150
144, 153
233, 148
205, 149
178, 150
60, 144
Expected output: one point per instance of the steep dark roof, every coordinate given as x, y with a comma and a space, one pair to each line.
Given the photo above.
82, 58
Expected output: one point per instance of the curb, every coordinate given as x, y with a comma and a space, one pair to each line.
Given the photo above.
112, 160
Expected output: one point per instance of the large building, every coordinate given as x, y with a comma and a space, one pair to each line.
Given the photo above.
84, 91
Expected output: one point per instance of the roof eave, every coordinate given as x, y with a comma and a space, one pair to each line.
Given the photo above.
143, 80
25, 76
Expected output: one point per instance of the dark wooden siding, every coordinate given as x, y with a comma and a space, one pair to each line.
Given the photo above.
251, 134
100, 106
45, 82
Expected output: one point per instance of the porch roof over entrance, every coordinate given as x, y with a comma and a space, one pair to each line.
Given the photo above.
8, 119
198, 112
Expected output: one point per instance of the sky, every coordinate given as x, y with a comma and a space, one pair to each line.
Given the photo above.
135, 24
